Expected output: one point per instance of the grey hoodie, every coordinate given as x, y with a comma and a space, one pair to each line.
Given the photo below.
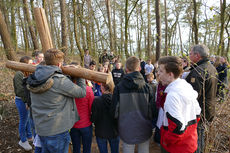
52, 97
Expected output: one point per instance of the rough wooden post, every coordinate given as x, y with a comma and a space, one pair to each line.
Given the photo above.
43, 29
74, 72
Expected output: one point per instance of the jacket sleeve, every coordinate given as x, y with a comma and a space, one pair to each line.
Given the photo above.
153, 112
68, 88
90, 99
18, 85
94, 111
114, 109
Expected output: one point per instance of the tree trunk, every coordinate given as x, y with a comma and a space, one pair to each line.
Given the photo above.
52, 24
9, 49
166, 29
70, 31
109, 24
63, 27
76, 33
127, 17
158, 26
5, 12
114, 27
181, 43
88, 25
149, 30
195, 26
13, 25
31, 28
228, 34
222, 21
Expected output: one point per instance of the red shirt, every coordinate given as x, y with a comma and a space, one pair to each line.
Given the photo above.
84, 109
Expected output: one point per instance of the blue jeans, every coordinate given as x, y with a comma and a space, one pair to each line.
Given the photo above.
38, 150
56, 143
24, 122
102, 145
83, 135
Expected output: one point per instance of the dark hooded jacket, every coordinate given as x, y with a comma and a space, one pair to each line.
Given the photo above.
203, 75
133, 106
52, 97
105, 124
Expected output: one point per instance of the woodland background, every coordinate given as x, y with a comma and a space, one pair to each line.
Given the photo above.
145, 28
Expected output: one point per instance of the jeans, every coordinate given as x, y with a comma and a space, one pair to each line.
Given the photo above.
201, 138
38, 150
81, 135
114, 144
24, 122
142, 147
56, 143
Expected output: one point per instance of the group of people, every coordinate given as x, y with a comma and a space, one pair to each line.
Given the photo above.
145, 97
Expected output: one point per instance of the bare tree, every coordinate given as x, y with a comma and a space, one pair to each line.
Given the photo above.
222, 21
158, 25
9, 49
166, 28
108, 6
149, 29
194, 22
63, 26
127, 17
31, 28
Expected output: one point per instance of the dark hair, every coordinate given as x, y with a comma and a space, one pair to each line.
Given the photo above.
172, 64
36, 53
92, 63
132, 63
25, 59
53, 56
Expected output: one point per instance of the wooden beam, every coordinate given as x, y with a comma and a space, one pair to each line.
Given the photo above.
74, 72
43, 29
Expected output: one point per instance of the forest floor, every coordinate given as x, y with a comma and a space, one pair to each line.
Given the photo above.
9, 120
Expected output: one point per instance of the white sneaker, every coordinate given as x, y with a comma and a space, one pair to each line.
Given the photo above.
30, 139
25, 145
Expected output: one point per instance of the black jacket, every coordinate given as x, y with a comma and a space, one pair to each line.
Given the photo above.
105, 124
133, 106
203, 76
117, 75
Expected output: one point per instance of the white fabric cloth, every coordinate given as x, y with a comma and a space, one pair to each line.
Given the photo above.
37, 141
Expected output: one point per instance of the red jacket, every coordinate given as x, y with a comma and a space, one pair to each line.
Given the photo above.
84, 109
181, 115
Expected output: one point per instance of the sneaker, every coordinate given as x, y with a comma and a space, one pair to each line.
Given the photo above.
25, 145
31, 139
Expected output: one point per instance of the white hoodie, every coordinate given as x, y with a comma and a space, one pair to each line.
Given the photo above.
181, 103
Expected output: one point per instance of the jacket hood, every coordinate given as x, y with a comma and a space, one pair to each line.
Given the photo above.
182, 88
134, 80
42, 74
107, 99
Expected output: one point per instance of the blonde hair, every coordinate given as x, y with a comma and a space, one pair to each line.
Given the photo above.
132, 63
53, 56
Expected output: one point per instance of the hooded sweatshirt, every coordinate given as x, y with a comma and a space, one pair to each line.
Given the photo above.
52, 97
105, 124
181, 114
133, 105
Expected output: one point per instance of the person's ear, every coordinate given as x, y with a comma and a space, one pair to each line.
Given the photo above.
139, 69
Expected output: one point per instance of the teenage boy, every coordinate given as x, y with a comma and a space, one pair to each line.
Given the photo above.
39, 57
132, 105
52, 95
148, 67
117, 73
181, 109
